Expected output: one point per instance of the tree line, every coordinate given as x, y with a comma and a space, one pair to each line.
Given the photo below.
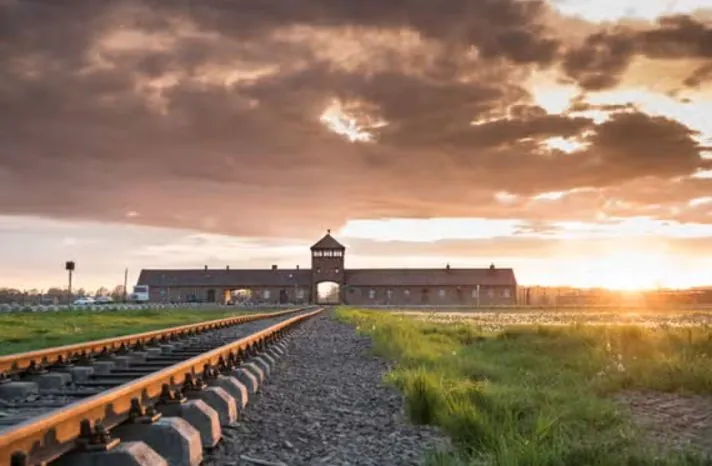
54, 295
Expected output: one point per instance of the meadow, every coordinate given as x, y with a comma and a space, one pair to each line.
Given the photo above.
23, 331
547, 388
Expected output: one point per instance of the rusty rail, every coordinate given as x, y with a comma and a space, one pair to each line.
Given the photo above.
21, 362
49, 436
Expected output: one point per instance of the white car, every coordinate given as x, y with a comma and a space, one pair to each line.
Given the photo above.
83, 301
104, 300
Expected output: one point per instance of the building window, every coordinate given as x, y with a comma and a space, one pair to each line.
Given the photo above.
506, 293
474, 293
389, 294
317, 254
441, 292
337, 270
371, 294
265, 294
490, 293
300, 293
406, 292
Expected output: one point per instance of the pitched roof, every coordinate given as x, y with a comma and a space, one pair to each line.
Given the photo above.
234, 278
430, 277
328, 242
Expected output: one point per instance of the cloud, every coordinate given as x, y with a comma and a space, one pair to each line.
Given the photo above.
604, 55
208, 117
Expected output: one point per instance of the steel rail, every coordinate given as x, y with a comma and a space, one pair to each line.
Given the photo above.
49, 436
21, 362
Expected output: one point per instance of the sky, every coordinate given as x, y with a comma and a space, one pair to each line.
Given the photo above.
568, 139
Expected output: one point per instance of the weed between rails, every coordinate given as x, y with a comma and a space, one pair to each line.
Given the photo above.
536, 395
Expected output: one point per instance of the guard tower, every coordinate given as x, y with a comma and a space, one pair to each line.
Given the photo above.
327, 265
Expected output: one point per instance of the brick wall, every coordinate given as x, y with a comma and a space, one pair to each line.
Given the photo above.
443, 296
264, 294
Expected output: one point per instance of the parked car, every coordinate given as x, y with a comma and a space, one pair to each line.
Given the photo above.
104, 300
84, 301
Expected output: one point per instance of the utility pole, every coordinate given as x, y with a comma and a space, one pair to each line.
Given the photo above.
126, 279
69, 267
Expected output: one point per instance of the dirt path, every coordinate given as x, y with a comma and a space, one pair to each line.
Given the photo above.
670, 421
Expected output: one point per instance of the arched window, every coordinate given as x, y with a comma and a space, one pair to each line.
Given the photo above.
371, 294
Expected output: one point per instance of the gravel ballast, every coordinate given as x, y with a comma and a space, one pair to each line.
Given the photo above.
326, 404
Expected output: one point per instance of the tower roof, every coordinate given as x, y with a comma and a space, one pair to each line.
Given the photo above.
328, 242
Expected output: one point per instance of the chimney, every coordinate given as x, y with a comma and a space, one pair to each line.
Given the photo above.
206, 267
491, 266
227, 267
274, 267
297, 266
447, 266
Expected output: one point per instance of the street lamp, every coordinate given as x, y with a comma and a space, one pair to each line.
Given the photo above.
69, 267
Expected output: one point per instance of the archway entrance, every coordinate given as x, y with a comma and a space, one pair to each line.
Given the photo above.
328, 293
238, 297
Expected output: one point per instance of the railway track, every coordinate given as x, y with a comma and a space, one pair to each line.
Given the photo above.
86, 403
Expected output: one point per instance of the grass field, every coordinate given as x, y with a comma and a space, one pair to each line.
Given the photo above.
523, 393
28, 331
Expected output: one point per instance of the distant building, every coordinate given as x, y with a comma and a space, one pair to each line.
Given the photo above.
445, 286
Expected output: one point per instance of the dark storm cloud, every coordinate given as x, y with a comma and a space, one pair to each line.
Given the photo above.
600, 61
498, 28
700, 75
206, 115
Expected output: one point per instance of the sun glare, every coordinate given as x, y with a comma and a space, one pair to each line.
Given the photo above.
612, 10
343, 122
626, 271
565, 145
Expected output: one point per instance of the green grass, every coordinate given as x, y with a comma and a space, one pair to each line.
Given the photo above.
534, 395
29, 331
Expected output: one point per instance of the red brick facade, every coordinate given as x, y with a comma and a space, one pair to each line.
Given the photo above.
414, 287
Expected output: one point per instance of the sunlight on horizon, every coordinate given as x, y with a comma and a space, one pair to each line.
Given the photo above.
612, 10
438, 229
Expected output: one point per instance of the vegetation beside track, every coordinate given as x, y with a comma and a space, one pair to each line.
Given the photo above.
21, 332
534, 394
